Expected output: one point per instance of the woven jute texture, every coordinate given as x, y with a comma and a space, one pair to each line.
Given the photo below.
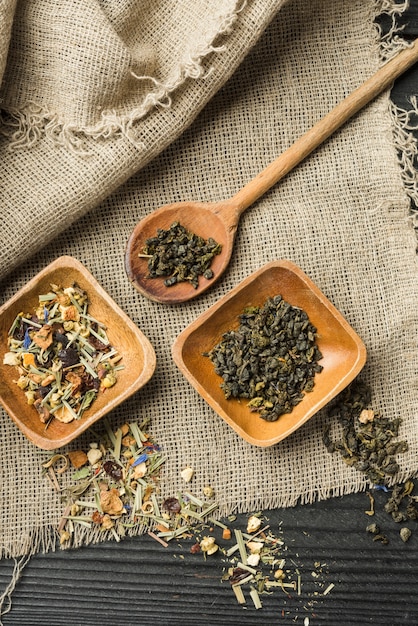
99, 130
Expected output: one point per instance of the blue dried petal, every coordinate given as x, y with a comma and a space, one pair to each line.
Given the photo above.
27, 340
46, 314
141, 459
380, 488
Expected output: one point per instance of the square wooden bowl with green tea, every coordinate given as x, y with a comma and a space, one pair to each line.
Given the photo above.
68, 354
216, 356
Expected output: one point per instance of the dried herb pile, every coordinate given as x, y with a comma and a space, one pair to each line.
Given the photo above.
115, 483
115, 486
369, 443
271, 359
180, 255
368, 440
62, 355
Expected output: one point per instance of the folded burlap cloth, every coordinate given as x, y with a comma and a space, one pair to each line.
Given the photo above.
98, 101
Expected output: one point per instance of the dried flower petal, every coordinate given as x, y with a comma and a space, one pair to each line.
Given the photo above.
238, 574
140, 470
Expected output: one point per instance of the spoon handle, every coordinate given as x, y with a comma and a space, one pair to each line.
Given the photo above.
314, 137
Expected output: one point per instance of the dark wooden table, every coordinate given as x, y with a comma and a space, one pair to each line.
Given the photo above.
138, 581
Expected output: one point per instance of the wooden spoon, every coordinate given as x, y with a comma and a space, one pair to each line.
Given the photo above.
219, 220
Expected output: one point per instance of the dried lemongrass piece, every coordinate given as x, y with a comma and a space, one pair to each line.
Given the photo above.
246, 567
241, 545
255, 598
328, 589
239, 594
54, 459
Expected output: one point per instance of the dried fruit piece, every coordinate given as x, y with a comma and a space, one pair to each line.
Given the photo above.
208, 491
253, 524
195, 548
172, 505
226, 534
28, 358
94, 455
209, 545
43, 337
253, 559
63, 415
113, 469
255, 547
187, 474
78, 458
110, 502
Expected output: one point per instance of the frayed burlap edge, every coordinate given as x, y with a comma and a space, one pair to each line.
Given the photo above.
24, 127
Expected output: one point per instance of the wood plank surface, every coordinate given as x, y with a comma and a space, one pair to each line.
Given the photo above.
138, 581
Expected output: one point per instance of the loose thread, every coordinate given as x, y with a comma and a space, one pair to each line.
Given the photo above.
6, 597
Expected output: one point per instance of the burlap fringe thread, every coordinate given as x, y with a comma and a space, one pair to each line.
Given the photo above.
33, 122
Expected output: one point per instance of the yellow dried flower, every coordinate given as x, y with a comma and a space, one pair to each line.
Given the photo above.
64, 536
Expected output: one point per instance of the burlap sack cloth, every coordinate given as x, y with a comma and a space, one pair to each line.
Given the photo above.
91, 93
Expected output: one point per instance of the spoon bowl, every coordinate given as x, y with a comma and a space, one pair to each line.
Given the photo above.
220, 220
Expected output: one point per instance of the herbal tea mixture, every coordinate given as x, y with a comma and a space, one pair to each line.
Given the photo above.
115, 487
181, 255
271, 359
62, 355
